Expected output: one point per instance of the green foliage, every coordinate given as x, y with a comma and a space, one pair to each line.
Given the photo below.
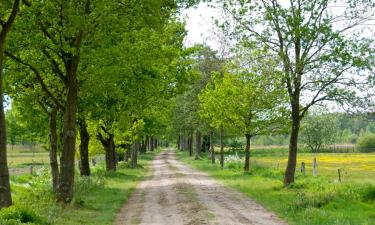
318, 131
97, 200
16, 215
252, 102
368, 193
366, 143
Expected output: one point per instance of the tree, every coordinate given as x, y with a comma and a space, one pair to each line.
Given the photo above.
251, 101
318, 131
8, 13
316, 51
55, 32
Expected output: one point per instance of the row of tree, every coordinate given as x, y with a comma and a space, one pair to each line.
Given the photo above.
289, 56
106, 69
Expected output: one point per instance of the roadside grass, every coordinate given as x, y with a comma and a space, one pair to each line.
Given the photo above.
321, 200
97, 198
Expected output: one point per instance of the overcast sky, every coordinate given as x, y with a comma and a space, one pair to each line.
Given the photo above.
199, 24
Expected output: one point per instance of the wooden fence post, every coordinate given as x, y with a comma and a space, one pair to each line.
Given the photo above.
303, 168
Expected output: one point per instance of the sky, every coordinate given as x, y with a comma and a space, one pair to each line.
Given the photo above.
201, 28
200, 25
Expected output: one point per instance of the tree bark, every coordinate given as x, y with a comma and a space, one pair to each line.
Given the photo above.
293, 146
110, 154
134, 154
108, 144
198, 145
66, 178
247, 154
5, 193
53, 149
222, 147
84, 148
212, 147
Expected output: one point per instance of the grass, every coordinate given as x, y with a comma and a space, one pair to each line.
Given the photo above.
311, 200
97, 199
21, 157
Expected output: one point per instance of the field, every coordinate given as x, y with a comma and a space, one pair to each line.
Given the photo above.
22, 157
97, 199
311, 200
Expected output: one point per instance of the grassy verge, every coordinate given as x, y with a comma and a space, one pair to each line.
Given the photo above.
311, 200
97, 199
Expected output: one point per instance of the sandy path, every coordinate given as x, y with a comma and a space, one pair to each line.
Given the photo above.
176, 194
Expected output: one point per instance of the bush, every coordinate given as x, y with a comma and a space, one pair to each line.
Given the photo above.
235, 145
18, 215
233, 162
366, 143
368, 193
316, 200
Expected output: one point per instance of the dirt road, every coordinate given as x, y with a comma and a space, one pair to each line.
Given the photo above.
176, 194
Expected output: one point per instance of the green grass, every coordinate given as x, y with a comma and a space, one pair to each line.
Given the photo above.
311, 200
20, 158
97, 199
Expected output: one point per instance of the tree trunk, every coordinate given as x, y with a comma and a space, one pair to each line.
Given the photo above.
53, 150
293, 145
147, 143
247, 154
198, 145
212, 147
206, 143
152, 143
5, 193
143, 146
183, 142
190, 143
134, 154
84, 148
110, 153
222, 147
178, 142
156, 143
127, 153
66, 178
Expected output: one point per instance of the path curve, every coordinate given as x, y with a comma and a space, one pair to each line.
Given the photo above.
177, 194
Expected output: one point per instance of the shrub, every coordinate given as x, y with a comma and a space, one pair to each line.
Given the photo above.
233, 162
316, 200
17, 214
366, 143
368, 193
235, 145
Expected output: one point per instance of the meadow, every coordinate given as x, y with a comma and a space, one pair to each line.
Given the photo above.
322, 200
97, 200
